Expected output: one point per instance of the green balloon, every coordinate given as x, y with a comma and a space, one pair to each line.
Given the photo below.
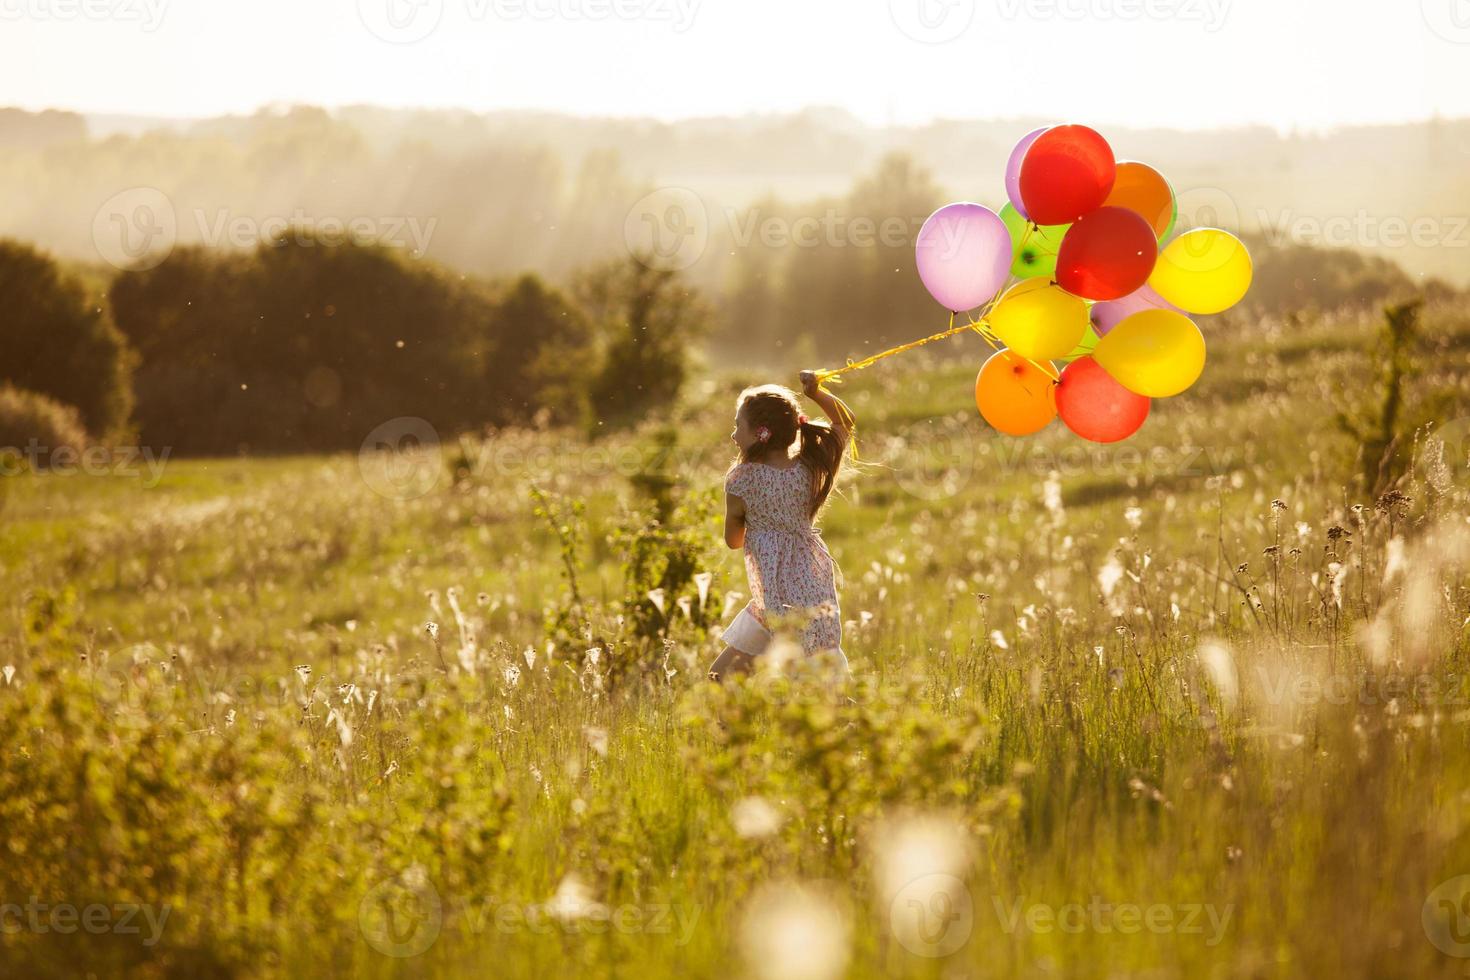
1087, 346
1174, 216
1034, 254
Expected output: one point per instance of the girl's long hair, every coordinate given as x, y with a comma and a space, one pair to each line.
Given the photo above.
778, 409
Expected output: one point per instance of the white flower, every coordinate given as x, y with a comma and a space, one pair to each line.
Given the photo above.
753, 816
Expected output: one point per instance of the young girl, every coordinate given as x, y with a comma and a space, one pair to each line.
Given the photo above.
785, 471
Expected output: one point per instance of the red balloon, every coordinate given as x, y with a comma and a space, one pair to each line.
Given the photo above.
1066, 173
1107, 254
1096, 407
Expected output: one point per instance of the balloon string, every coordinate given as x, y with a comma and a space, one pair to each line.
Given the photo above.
977, 324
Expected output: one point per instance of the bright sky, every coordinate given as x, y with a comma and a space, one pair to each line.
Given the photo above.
1183, 63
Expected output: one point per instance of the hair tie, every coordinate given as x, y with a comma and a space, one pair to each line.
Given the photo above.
801, 419
763, 434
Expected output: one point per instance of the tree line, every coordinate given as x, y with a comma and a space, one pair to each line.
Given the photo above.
301, 346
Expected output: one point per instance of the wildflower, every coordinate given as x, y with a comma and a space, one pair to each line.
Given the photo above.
789, 931
596, 739
1219, 664
303, 671
573, 899
9, 672
1134, 517
1337, 532
1394, 561
1109, 576
1390, 500
656, 596
1278, 504
702, 582
753, 816
432, 629
1243, 568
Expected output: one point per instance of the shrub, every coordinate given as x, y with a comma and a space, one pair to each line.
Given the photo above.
27, 418
60, 342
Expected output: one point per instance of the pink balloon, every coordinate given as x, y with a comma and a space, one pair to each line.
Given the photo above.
1106, 316
1013, 170
964, 255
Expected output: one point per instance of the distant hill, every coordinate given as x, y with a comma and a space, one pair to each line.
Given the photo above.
511, 190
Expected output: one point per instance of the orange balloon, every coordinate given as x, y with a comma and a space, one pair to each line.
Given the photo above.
1015, 396
1144, 191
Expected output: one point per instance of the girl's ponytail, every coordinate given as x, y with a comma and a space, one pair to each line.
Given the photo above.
821, 451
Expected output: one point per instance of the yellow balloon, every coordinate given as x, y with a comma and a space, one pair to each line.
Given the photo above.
1203, 271
1039, 320
1157, 353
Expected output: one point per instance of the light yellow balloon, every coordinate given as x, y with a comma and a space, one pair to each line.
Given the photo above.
1039, 320
1203, 271
1157, 353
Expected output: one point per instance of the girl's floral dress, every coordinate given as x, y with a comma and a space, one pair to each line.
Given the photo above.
792, 575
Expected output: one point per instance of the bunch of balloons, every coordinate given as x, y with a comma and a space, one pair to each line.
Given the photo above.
1073, 269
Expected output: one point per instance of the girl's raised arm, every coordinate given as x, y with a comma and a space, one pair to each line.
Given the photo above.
835, 408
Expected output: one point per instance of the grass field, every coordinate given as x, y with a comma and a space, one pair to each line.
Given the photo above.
1193, 705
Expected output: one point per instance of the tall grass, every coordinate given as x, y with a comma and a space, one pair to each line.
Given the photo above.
1192, 706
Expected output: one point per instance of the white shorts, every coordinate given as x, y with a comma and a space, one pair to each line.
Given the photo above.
746, 634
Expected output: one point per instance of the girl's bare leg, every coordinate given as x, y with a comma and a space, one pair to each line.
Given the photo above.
730, 661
